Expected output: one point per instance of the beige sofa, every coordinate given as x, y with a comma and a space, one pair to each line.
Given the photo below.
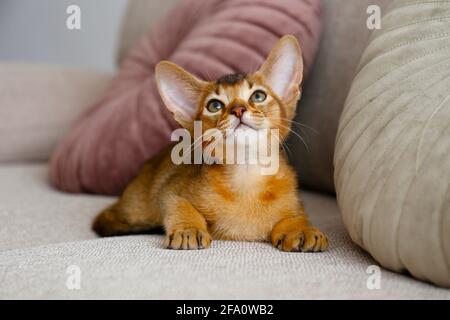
45, 234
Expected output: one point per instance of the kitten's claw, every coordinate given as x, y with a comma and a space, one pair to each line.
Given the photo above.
188, 239
305, 240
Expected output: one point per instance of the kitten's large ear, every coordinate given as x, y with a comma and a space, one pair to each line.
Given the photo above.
283, 69
179, 90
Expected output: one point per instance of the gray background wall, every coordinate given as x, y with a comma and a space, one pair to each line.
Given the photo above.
35, 31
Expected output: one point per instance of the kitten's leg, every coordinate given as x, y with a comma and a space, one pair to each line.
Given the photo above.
295, 234
186, 228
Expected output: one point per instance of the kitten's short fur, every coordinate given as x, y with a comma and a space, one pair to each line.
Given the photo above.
198, 203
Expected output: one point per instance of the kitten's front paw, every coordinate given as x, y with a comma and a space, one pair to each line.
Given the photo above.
305, 240
188, 239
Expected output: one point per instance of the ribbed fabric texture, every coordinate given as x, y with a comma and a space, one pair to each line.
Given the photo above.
392, 157
209, 38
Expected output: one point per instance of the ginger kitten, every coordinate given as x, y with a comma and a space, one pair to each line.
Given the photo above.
196, 203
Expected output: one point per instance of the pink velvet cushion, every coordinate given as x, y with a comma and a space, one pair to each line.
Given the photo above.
211, 38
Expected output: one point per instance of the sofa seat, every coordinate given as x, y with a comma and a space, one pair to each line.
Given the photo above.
44, 231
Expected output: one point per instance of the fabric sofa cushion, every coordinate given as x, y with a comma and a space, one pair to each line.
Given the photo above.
38, 105
46, 234
344, 37
393, 146
209, 38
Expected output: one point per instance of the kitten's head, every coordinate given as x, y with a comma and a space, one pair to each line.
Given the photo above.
266, 99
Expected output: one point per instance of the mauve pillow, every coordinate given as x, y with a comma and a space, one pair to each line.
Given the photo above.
210, 39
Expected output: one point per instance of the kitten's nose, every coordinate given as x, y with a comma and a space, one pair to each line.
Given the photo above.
238, 110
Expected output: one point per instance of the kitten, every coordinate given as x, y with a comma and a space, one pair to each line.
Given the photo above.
196, 203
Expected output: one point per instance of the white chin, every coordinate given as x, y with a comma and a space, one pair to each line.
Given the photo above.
245, 134
244, 129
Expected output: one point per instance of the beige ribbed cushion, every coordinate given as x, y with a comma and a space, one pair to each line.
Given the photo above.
392, 156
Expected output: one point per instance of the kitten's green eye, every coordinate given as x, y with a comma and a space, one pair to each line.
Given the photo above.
214, 106
258, 96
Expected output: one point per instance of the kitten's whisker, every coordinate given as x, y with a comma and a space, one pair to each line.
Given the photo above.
193, 144
195, 141
302, 125
209, 148
299, 136
282, 146
285, 146
294, 122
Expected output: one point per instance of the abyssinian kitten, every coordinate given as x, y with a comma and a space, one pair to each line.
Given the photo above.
196, 203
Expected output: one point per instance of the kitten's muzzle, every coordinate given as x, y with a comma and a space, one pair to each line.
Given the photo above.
238, 110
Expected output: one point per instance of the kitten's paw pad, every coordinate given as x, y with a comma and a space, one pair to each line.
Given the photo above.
188, 239
306, 240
